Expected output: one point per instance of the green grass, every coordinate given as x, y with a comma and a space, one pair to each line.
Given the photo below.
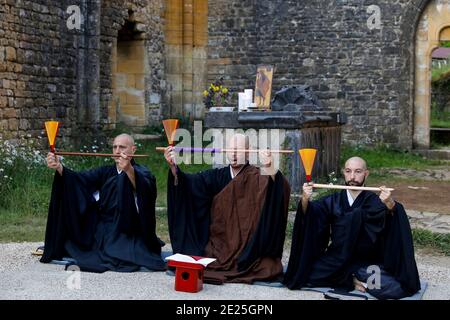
382, 157
24, 201
438, 123
430, 240
18, 228
440, 120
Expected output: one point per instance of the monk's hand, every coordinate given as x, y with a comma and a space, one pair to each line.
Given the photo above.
386, 198
54, 163
169, 154
306, 195
267, 167
307, 191
265, 157
124, 163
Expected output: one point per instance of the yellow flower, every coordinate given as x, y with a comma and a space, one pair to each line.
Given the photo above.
216, 88
205, 93
224, 90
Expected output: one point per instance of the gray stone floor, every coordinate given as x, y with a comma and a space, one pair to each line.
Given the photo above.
23, 277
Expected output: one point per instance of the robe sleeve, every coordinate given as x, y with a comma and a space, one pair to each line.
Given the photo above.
72, 211
399, 250
129, 220
311, 234
189, 205
268, 239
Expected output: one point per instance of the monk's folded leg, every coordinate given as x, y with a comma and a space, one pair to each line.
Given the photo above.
387, 287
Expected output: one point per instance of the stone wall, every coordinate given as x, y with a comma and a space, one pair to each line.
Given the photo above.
37, 67
49, 71
364, 72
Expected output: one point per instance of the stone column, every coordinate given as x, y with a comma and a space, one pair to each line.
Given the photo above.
88, 66
199, 56
186, 39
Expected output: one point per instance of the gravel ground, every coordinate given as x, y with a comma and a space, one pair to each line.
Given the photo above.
23, 277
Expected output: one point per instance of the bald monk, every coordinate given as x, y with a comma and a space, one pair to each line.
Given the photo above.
236, 214
353, 240
104, 218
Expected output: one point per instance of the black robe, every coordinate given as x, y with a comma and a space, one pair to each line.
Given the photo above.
363, 234
189, 208
109, 234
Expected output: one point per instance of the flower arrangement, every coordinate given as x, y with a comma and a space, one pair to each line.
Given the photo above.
217, 95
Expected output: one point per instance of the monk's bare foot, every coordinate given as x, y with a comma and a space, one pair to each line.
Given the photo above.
358, 285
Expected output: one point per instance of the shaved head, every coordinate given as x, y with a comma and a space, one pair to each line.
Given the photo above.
125, 137
123, 143
360, 162
238, 141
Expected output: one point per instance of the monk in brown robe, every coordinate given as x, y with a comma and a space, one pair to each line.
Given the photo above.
236, 214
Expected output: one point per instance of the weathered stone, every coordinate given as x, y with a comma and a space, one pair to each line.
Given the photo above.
24, 124
155, 98
10, 113
10, 54
3, 102
6, 84
414, 214
13, 124
430, 214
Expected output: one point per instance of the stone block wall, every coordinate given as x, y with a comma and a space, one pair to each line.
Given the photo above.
37, 67
50, 72
365, 72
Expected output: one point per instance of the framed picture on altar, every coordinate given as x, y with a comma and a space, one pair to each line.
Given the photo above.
263, 88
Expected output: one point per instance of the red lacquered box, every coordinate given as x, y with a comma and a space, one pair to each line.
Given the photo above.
188, 276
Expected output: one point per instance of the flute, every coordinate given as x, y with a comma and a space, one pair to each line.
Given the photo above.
218, 150
89, 154
333, 186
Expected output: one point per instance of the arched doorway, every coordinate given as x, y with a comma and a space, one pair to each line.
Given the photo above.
129, 69
433, 28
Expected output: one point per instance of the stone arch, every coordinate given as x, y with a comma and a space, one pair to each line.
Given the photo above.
129, 69
433, 23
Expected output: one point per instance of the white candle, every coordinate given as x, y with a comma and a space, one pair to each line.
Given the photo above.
247, 102
241, 101
249, 95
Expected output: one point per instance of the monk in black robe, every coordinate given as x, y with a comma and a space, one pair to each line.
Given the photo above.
353, 239
236, 214
104, 218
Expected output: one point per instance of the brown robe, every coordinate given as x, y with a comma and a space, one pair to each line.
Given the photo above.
235, 214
